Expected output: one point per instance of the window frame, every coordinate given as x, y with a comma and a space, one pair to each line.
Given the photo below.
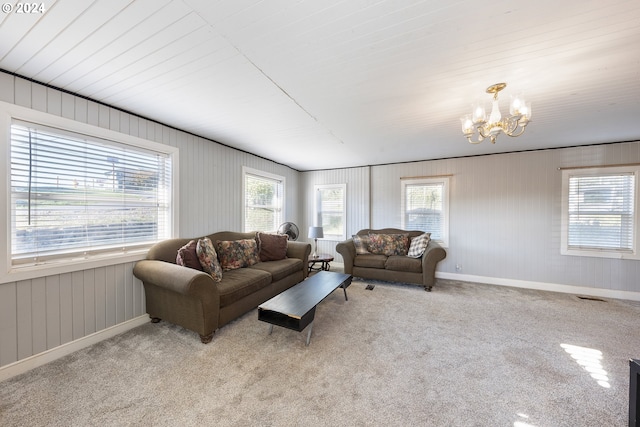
268, 176
317, 214
565, 249
10, 272
445, 181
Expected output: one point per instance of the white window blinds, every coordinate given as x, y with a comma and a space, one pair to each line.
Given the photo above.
264, 202
73, 195
601, 211
425, 206
330, 210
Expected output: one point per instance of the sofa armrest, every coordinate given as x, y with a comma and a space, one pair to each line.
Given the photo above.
182, 280
301, 251
348, 251
430, 259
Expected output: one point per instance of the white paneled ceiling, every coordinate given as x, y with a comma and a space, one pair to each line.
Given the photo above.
338, 83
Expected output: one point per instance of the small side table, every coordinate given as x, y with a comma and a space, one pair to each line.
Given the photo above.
323, 259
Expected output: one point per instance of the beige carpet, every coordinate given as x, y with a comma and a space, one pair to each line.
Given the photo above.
463, 355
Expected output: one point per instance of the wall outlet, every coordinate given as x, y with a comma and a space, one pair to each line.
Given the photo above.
458, 267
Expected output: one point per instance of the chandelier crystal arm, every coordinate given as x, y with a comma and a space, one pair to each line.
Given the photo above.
513, 134
480, 139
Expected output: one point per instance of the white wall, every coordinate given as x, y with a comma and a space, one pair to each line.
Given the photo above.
505, 216
47, 312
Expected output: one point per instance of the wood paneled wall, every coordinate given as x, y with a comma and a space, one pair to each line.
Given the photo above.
45, 312
505, 213
357, 201
505, 220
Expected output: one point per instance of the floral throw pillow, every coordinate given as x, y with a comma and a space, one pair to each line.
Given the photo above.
389, 244
419, 245
237, 253
361, 243
208, 258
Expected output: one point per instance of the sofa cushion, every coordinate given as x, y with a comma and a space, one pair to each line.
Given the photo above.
208, 258
272, 247
419, 245
389, 244
188, 257
236, 254
361, 243
403, 263
239, 283
370, 261
281, 268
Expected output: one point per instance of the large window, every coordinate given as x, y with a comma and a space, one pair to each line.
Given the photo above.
263, 200
425, 207
599, 212
329, 207
75, 196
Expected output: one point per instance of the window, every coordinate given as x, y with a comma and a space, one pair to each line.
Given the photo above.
599, 208
425, 207
263, 200
75, 196
329, 208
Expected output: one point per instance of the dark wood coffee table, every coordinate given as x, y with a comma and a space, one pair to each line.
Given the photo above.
295, 308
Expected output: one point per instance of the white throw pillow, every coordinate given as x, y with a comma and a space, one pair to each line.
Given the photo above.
419, 245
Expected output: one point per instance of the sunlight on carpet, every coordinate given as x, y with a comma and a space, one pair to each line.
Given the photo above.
590, 360
522, 423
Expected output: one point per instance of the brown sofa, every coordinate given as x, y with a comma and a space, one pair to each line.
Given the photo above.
394, 268
192, 299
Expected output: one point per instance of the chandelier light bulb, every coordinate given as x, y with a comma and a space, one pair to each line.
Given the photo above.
526, 112
517, 105
467, 124
479, 114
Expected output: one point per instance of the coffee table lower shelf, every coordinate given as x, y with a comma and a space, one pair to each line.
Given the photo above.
285, 321
295, 308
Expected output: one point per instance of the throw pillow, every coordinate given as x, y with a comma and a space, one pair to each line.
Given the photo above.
272, 246
389, 244
362, 244
208, 258
188, 257
419, 245
237, 253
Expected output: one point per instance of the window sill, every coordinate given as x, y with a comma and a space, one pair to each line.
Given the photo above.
595, 253
51, 268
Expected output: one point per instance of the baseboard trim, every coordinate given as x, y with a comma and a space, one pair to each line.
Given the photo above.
24, 365
542, 286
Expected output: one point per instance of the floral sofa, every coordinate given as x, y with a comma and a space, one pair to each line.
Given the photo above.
204, 283
392, 254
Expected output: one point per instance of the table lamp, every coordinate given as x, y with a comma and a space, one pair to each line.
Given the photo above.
315, 233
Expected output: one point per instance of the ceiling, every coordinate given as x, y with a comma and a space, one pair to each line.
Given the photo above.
339, 83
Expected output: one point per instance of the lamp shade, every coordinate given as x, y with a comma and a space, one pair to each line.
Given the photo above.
316, 233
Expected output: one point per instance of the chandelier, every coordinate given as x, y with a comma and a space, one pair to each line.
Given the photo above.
513, 125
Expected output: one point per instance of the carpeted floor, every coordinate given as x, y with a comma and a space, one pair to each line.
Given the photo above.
463, 355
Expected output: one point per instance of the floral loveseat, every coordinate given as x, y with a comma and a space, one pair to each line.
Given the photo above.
204, 283
392, 254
